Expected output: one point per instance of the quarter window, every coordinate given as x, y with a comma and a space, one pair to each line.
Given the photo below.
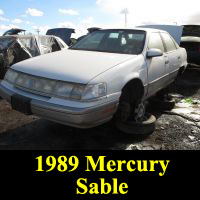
155, 42
170, 46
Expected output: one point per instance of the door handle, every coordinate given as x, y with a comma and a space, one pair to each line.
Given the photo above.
167, 62
179, 58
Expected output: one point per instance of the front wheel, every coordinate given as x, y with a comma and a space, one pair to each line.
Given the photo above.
145, 127
131, 117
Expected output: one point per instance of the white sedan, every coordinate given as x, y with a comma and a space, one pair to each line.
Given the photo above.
109, 73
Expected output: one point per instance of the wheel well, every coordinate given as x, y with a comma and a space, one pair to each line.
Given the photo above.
137, 86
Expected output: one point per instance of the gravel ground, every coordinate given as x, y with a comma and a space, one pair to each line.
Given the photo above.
173, 132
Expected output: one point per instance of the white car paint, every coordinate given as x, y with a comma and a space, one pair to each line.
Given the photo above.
62, 42
86, 67
72, 65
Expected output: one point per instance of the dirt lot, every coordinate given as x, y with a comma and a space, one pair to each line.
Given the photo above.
177, 130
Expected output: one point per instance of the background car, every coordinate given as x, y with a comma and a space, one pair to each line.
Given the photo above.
14, 31
192, 46
63, 33
191, 42
16, 48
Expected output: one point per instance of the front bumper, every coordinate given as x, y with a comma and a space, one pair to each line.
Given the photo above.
86, 117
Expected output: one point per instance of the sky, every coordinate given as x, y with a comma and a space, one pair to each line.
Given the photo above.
81, 14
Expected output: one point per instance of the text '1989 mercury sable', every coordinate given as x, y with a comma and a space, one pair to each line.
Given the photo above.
109, 73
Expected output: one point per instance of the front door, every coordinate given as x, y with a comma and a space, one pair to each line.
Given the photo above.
156, 66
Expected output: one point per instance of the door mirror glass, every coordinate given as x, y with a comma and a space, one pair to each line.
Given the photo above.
154, 53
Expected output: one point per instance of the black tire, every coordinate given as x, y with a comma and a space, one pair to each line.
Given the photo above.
131, 97
146, 127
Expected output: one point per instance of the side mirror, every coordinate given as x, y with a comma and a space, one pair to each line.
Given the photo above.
154, 53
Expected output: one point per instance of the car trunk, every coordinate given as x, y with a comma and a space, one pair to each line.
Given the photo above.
63, 33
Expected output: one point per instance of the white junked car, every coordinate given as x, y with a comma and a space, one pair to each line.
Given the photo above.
109, 73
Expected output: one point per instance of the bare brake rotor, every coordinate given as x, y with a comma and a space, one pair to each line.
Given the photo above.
139, 112
127, 113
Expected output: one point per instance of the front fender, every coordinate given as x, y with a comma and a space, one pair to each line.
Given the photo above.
117, 77
130, 77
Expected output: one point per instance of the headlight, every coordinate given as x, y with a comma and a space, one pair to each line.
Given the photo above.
79, 91
11, 76
94, 91
44, 86
63, 89
56, 88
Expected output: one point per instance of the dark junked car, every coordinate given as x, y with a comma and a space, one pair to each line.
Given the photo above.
16, 48
14, 31
63, 33
192, 46
191, 42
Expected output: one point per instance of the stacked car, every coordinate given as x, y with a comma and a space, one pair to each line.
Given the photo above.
16, 48
191, 42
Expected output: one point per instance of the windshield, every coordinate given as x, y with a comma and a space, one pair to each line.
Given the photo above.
113, 41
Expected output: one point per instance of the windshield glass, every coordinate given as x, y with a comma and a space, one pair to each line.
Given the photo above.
113, 41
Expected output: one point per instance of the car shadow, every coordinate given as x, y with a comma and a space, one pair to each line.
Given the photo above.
42, 134
188, 84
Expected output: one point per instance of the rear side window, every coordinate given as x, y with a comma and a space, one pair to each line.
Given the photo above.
170, 45
155, 42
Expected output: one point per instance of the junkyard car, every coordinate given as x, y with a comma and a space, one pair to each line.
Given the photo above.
109, 73
191, 42
192, 46
16, 48
63, 33
14, 31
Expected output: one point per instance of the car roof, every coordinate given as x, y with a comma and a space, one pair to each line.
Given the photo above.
137, 28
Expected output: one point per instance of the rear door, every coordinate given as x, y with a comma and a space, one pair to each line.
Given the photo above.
174, 56
156, 66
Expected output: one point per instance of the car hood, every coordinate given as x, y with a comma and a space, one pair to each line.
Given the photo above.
71, 65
